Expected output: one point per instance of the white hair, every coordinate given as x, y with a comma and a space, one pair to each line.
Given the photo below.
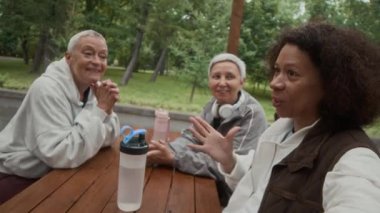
228, 57
74, 40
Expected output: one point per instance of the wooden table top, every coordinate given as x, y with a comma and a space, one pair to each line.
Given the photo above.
92, 187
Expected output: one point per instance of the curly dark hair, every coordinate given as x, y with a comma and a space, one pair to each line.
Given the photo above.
349, 66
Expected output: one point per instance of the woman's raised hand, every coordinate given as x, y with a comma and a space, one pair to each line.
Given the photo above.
219, 147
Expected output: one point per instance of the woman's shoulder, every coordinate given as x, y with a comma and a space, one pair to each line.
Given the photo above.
253, 104
250, 100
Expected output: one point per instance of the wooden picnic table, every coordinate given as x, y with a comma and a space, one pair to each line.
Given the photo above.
92, 187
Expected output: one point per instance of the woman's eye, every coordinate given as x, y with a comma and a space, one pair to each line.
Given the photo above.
215, 77
230, 77
291, 73
103, 56
88, 53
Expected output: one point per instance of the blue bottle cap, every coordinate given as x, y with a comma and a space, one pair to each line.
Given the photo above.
134, 143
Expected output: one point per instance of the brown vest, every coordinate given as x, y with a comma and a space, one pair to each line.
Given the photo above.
296, 182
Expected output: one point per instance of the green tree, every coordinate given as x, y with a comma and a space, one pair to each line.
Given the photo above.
15, 28
203, 34
24, 22
162, 26
109, 17
49, 18
365, 16
263, 19
142, 8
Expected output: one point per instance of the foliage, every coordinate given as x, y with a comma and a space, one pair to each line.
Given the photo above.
204, 34
193, 31
13, 26
263, 20
35, 26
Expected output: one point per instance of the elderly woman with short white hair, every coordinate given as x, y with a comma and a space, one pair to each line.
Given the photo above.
230, 106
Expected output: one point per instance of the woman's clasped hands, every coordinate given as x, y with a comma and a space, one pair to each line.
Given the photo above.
107, 94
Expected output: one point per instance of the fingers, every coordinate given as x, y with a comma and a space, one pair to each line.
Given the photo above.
108, 85
105, 83
197, 147
161, 153
204, 124
107, 94
116, 97
158, 145
112, 89
155, 149
197, 135
199, 126
152, 153
152, 146
232, 132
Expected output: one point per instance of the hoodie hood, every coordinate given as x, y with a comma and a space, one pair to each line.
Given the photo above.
60, 72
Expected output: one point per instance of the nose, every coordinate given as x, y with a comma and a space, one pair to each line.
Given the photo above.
222, 81
96, 59
277, 82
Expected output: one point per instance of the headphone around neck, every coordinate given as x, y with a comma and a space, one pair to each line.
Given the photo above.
224, 111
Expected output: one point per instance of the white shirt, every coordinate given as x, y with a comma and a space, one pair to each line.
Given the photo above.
352, 186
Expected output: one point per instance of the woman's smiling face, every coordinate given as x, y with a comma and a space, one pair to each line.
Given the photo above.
225, 82
88, 60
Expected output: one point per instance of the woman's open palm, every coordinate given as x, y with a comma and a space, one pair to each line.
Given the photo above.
219, 147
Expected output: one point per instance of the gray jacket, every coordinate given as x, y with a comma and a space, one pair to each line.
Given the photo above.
249, 116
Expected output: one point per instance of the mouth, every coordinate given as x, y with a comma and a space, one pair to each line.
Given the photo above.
222, 91
94, 70
276, 102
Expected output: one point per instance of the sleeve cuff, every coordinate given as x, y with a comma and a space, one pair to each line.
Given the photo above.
242, 165
233, 170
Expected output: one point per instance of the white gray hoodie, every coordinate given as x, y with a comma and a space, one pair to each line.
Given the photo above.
52, 129
249, 116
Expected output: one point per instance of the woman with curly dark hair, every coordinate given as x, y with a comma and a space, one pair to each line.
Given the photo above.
315, 157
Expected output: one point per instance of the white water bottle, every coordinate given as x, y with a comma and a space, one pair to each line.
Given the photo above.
132, 164
161, 125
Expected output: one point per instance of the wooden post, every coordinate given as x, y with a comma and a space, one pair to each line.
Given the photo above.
235, 23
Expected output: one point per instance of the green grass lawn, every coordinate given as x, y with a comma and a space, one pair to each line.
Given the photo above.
168, 92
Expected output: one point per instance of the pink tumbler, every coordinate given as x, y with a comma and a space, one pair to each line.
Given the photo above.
161, 125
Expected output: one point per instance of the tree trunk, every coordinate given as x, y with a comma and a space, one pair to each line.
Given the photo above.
193, 91
160, 66
133, 62
139, 38
39, 60
25, 50
236, 19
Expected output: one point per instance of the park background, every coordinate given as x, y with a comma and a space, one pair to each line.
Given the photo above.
159, 49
